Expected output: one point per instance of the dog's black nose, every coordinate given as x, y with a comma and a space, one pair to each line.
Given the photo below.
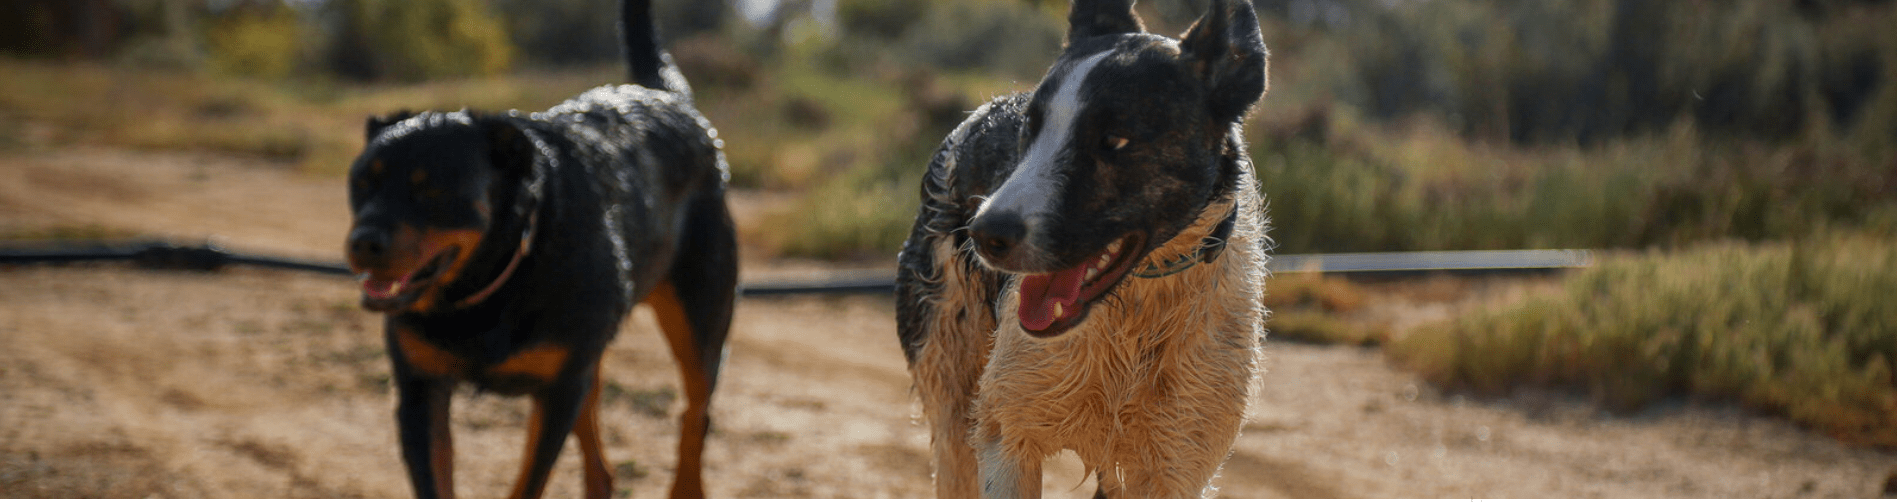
996, 234
367, 245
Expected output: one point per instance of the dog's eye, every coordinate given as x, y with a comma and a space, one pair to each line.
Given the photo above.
1114, 143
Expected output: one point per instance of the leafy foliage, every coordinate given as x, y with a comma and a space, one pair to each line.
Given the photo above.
254, 40
420, 39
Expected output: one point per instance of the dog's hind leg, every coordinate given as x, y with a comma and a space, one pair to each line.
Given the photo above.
694, 309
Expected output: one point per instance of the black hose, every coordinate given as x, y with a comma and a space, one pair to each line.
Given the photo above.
160, 256
209, 257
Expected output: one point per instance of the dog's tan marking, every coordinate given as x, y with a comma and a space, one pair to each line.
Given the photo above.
599, 481
535, 423
464, 242
440, 443
539, 363
425, 357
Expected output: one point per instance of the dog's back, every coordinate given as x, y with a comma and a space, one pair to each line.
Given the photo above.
1086, 270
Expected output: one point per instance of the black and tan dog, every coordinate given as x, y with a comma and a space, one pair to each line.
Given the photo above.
1087, 267
507, 248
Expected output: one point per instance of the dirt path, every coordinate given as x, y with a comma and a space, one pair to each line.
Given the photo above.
124, 383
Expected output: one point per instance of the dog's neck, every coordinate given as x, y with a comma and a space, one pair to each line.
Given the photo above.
530, 198
1208, 250
520, 252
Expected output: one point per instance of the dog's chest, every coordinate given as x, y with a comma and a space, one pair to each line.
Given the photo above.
517, 372
1160, 352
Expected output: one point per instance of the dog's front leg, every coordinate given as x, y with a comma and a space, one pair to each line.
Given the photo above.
556, 411
599, 481
1006, 474
947, 388
421, 418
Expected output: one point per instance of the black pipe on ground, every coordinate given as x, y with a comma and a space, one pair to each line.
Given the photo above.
209, 257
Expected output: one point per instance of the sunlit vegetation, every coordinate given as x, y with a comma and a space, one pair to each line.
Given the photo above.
1801, 329
1742, 154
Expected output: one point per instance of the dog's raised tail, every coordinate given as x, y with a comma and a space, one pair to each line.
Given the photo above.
648, 64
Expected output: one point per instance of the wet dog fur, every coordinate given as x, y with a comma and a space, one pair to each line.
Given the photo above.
1087, 267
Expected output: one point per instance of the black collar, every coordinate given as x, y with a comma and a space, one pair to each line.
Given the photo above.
1209, 249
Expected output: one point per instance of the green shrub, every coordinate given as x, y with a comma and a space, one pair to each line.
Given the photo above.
879, 19
1598, 70
413, 40
1421, 188
857, 216
1008, 39
254, 40
1804, 330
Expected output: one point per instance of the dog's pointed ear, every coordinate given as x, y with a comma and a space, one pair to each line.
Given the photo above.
1092, 18
378, 123
508, 147
1227, 49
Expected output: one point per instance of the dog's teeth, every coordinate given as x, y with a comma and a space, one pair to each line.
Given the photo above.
1106, 259
1114, 247
1057, 310
1093, 273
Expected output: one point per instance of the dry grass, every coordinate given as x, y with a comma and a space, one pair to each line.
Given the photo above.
1314, 308
1804, 330
317, 125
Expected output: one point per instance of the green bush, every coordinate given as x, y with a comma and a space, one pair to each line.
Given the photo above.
1381, 189
1598, 70
413, 40
1007, 39
1804, 330
857, 216
879, 19
254, 40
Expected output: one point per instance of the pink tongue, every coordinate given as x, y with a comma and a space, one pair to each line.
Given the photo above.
1040, 292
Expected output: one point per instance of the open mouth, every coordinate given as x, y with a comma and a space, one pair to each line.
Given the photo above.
385, 295
1053, 302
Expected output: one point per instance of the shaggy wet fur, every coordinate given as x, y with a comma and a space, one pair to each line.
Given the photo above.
1149, 389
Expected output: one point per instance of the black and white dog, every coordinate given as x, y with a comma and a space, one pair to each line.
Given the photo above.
1087, 267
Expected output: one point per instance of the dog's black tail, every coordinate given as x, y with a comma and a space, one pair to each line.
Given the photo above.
649, 65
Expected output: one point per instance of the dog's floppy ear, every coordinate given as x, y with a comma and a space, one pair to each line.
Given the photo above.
1092, 18
1229, 52
508, 147
377, 124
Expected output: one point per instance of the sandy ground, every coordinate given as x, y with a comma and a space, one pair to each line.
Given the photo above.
116, 382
